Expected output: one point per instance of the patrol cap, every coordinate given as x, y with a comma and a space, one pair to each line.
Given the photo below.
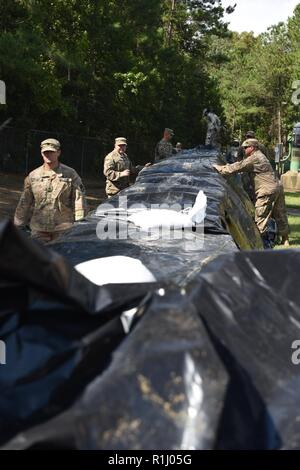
250, 135
170, 131
250, 143
51, 145
121, 141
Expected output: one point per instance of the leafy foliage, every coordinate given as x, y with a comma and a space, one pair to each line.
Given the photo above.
255, 76
110, 67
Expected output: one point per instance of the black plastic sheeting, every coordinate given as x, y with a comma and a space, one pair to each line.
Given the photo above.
178, 180
205, 366
59, 330
206, 362
172, 261
229, 223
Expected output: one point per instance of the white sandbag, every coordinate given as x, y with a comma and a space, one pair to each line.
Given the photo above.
115, 270
198, 211
153, 218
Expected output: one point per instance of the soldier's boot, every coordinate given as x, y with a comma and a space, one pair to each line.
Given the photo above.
266, 241
285, 240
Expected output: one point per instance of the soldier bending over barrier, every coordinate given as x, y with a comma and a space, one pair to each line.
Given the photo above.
269, 195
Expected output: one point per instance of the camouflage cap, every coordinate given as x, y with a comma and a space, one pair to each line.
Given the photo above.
250, 135
121, 141
250, 143
169, 131
51, 145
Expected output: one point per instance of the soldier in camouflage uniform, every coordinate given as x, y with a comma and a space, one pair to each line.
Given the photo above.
118, 168
53, 196
241, 151
164, 148
213, 128
247, 184
269, 196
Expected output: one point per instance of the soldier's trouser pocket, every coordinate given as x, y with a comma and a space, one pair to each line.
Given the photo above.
280, 213
263, 211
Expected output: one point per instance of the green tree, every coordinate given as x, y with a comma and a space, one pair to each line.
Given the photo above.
105, 68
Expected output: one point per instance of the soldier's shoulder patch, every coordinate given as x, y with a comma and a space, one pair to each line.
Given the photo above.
65, 179
110, 156
36, 179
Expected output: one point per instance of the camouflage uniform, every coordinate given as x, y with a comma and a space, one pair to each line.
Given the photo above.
51, 201
114, 164
164, 149
269, 196
241, 151
213, 129
246, 180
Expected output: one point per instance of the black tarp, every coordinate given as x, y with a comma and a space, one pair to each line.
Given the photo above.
59, 330
178, 180
229, 223
206, 366
207, 361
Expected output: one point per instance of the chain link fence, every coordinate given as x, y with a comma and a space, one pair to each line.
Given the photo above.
20, 151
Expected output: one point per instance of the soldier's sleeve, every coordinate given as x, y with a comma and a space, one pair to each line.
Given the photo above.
80, 206
167, 150
162, 151
25, 206
245, 165
159, 152
109, 169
